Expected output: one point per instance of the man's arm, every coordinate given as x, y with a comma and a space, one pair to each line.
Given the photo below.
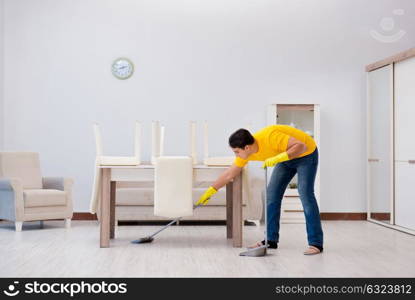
222, 180
227, 176
295, 148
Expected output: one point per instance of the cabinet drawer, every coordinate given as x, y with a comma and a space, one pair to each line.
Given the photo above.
292, 217
291, 193
291, 203
291, 200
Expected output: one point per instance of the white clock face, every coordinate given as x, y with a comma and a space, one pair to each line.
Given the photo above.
122, 68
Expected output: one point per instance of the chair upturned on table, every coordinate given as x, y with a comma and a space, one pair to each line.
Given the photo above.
110, 175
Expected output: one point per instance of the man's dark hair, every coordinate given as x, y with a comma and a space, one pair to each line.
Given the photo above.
241, 138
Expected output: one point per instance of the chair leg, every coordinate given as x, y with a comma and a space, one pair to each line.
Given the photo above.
68, 223
41, 223
18, 225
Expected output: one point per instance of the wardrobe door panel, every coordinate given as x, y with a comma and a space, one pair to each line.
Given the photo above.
405, 143
404, 195
380, 135
405, 110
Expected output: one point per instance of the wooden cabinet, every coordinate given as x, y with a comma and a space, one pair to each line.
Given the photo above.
305, 117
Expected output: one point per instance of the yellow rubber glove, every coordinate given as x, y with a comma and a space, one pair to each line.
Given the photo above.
272, 161
206, 196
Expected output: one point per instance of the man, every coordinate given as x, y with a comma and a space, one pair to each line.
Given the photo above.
291, 151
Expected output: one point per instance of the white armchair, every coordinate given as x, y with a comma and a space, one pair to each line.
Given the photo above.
26, 196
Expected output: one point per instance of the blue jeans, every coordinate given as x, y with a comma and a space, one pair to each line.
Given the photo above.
306, 168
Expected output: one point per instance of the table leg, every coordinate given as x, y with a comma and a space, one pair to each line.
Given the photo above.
112, 209
105, 208
237, 211
229, 219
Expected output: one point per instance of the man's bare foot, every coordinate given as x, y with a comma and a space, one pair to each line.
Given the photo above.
256, 245
312, 250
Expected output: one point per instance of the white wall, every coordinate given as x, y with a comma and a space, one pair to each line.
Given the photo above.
220, 60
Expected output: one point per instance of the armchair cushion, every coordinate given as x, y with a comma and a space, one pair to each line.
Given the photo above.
39, 197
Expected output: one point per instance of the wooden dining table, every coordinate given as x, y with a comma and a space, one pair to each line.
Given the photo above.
110, 175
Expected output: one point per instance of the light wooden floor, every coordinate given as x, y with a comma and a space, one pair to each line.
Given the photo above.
352, 249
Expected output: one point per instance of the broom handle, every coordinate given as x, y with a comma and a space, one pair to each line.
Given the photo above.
172, 222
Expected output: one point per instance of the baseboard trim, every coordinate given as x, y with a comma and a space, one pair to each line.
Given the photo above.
347, 216
84, 216
326, 216
381, 216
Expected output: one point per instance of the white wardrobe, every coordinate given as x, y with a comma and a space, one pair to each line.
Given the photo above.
391, 141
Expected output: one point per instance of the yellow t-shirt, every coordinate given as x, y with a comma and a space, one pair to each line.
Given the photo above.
273, 140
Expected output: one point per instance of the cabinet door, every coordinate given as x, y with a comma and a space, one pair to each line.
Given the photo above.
404, 195
405, 110
405, 143
379, 146
380, 108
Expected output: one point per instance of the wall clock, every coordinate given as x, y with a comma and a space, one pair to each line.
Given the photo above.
122, 68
